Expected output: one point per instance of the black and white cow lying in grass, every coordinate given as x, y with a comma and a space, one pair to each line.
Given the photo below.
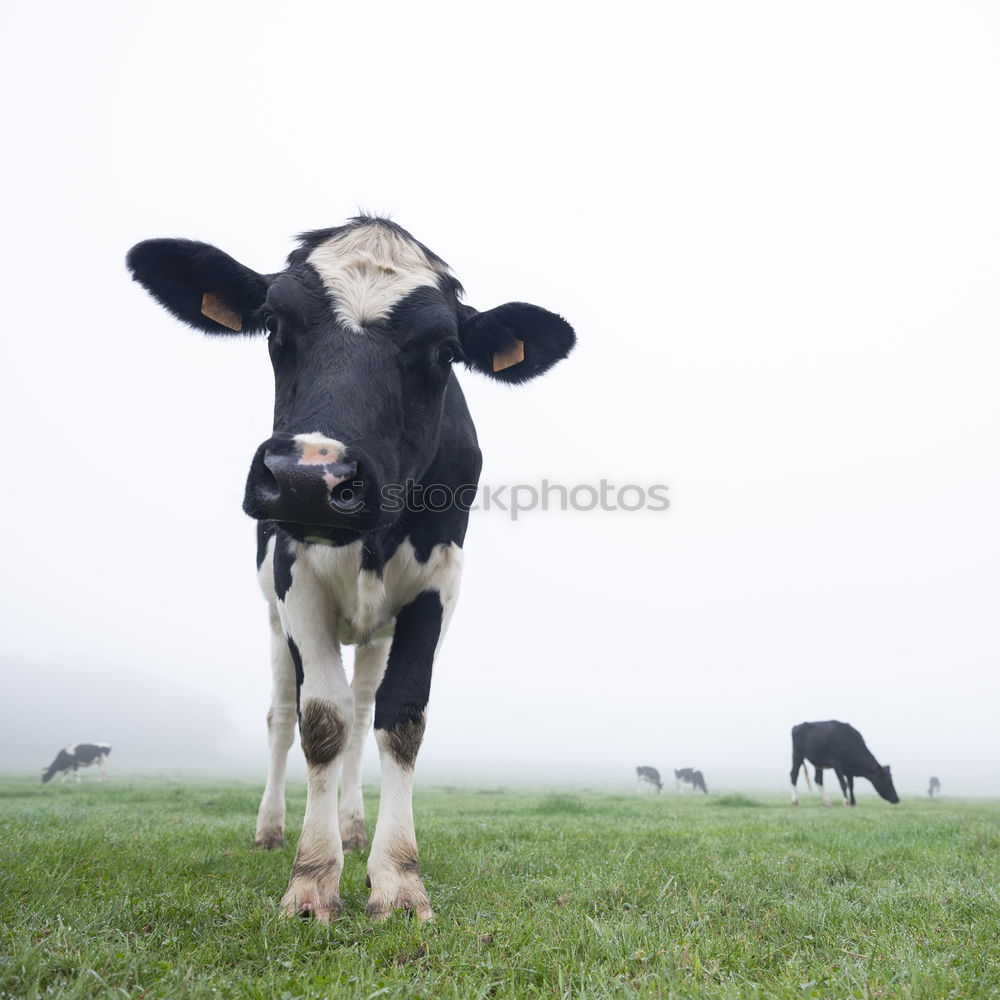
690, 776
840, 746
75, 756
647, 778
362, 497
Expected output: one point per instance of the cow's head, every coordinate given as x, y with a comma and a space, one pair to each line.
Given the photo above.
363, 327
884, 786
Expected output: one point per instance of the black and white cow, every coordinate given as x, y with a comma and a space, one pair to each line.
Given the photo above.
690, 776
647, 778
840, 746
75, 756
362, 497
934, 788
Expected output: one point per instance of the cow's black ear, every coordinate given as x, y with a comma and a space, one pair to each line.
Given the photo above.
514, 342
199, 284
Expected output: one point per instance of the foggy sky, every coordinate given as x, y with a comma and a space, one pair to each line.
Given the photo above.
776, 230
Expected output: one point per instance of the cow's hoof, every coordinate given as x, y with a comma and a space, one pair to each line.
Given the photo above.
311, 903
406, 894
353, 835
269, 839
313, 891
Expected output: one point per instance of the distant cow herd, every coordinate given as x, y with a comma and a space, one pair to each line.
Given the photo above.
648, 778
829, 745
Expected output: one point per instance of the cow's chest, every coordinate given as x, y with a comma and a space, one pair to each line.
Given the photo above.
361, 603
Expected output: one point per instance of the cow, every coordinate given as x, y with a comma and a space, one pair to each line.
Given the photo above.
647, 778
361, 496
689, 776
75, 756
934, 788
840, 746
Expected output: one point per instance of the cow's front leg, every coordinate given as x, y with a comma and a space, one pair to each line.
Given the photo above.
822, 790
369, 668
280, 734
326, 717
400, 707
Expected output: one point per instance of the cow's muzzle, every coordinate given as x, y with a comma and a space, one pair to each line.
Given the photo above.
305, 479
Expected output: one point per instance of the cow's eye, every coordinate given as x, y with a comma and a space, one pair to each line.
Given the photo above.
449, 353
271, 324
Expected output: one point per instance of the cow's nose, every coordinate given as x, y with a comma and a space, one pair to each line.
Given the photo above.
292, 476
306, 479
299, 464
299, 468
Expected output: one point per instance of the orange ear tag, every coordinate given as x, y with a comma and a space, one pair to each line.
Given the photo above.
214, 308
507, 359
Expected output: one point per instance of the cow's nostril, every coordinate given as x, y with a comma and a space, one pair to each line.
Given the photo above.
346, 496
267, 482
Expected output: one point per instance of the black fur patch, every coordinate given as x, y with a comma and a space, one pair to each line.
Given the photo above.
63, 762
87, 753
299, 675
322, 730
402, 696
404, 742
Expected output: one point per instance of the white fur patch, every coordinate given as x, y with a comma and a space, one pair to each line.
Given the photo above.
366, 603
368, 270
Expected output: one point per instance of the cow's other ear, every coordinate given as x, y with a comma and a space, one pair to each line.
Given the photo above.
199, 284
514, 342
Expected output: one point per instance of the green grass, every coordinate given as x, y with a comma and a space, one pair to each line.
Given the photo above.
149, 889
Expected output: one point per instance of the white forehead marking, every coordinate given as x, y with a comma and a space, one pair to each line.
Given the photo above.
369, 269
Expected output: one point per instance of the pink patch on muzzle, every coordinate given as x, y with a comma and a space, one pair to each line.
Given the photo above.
312, 453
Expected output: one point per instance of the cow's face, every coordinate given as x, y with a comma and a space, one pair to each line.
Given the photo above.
363, 328
884, 786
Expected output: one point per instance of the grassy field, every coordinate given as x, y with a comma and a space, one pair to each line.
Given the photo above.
149, 889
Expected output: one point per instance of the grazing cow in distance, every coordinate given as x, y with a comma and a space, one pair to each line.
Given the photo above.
934, 788
361, 495
689, 776
840, 746
75, 756
648, 777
